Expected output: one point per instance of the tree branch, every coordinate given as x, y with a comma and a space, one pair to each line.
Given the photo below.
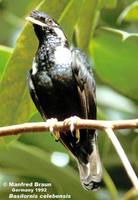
77, 123
62, 126
123, 157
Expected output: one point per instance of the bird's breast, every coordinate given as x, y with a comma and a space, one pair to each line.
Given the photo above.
62, 55
60, 69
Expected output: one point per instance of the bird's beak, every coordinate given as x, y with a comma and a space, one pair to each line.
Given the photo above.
35, 21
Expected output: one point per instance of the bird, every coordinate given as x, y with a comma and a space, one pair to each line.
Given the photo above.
61, 84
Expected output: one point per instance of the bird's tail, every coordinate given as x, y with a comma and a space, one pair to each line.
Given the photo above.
91, 173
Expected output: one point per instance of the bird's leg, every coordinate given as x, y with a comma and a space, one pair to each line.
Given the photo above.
72, 121
52, 123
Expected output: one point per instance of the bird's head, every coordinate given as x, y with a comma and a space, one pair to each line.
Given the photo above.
42, 20
44, 25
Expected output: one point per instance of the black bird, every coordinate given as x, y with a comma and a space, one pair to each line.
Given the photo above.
62, 85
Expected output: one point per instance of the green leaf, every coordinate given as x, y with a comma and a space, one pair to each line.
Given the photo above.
111, 100
87, 23
115, 55
132, 194
107, 3
69, 17
21, 10
29, 161
17, 106
110, 185
110, 3
12, 18
45, 141
135, 151
5, 53
130, 13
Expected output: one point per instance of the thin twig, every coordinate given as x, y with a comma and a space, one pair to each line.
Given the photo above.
123, 157
62, 126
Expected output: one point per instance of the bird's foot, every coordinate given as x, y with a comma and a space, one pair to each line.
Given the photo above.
72, 121
52, 123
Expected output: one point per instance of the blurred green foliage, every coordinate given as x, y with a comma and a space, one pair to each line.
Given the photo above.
107, 31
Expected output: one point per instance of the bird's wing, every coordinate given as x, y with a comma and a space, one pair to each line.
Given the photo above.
89, 164
34, 95
85, 84
87, 101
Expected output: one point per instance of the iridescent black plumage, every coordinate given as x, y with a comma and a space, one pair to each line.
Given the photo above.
61, 85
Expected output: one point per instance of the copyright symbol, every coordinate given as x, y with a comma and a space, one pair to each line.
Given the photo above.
4, 184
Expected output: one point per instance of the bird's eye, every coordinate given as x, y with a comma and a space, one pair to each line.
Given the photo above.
50, 21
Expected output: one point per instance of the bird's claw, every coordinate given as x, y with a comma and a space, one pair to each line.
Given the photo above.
72, 121
52, 123
57, 135
77, 135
